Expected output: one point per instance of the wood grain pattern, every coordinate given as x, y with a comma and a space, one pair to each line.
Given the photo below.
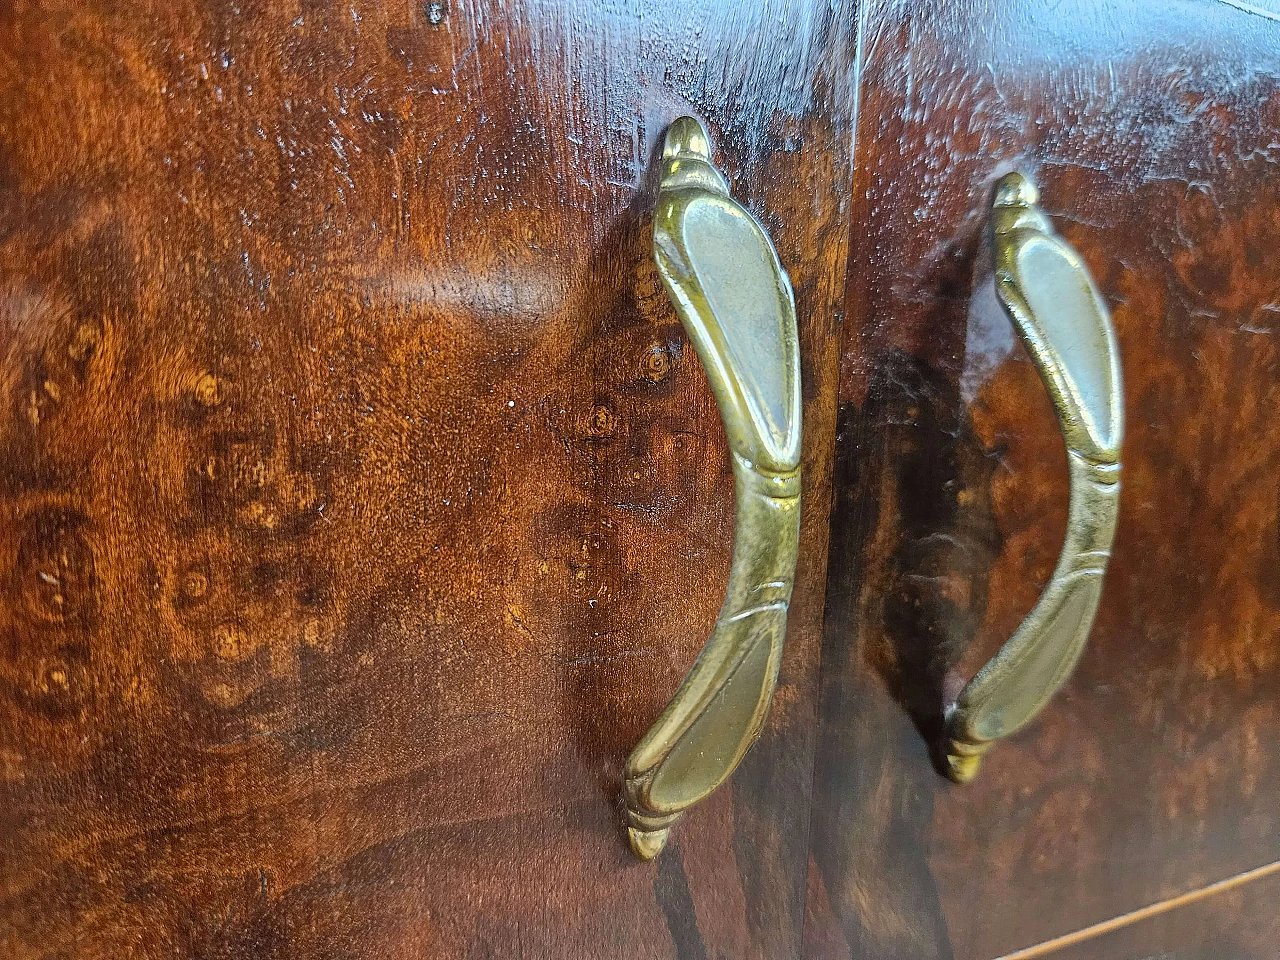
1238, 923
1153, 131
361, 502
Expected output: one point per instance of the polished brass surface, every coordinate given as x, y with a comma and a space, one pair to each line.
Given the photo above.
1045, 288
734, 299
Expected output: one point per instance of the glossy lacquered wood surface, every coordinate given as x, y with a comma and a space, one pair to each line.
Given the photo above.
361, 500
1153, 131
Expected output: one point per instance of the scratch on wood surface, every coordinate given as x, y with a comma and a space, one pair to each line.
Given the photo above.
1254, 9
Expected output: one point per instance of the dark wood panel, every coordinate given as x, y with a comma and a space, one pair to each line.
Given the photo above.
1154, 131
361, 502
1238, 923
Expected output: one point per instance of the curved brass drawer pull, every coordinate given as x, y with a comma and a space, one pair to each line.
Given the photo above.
1060, 317
735, 301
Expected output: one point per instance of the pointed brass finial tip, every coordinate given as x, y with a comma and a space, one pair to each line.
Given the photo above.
686, 136
962, 769
1015, 190
647, 844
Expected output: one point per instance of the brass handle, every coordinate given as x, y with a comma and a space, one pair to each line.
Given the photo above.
1046, 290
734, 299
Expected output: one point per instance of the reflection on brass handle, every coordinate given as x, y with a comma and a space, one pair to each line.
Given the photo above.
1046, 290
723, 276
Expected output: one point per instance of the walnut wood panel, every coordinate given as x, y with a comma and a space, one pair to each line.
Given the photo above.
1240, 923
1154, 132
361, 502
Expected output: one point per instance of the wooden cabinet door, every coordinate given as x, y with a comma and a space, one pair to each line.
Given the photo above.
361, 499
1154, 133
